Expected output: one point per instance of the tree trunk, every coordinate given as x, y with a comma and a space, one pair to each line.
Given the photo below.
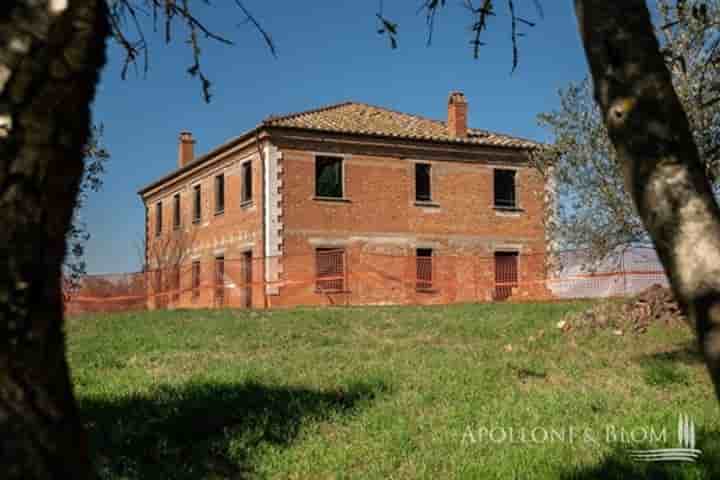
51, 53
651, 134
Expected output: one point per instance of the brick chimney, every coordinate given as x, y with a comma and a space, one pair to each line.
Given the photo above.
186, 148
457, 115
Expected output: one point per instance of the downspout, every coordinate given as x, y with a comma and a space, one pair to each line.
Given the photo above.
145, 265
262, 215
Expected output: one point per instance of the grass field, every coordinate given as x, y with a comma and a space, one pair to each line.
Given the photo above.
383, 393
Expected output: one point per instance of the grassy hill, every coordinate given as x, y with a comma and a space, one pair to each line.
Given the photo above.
489, 391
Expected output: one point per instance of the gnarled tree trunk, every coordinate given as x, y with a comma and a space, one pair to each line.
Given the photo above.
651, 134
50, 56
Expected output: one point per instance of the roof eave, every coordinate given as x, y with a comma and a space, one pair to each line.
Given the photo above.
203, 158
418, 138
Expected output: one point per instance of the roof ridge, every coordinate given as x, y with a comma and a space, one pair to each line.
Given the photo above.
499, 134
421, 117
279, 118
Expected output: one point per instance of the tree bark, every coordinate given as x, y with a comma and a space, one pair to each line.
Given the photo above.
651, 134
51, 53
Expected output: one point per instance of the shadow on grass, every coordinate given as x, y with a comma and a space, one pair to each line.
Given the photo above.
688, 354
618, 465
208, 430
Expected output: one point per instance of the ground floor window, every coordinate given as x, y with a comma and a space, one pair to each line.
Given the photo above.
195, 279
424, 269
506, 274
220, 280
175, 287
330, 269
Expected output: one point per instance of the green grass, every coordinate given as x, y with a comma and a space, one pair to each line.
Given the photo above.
382, 393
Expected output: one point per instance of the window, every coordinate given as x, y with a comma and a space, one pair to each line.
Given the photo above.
195, 280
176, 283
220, 193
506, 274
505, 189
247, 182
160, 299
176, 211
219, 280
424, 269
328, 177
422, 182
158, 218
197, 204
330, 268
247, 279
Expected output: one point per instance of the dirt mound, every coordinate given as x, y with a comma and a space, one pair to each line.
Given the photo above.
653, 305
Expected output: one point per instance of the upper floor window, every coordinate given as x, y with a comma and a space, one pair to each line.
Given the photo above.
176, 211
505, 188
219, 193
247, 182
197, 204
329, 177
158, 218
422, 182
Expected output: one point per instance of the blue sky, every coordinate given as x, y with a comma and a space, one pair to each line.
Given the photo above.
328, 51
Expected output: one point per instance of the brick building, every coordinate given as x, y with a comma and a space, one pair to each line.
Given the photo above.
348, 203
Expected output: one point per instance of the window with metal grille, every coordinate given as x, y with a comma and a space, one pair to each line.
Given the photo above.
176, 211
219, 193
195, 280
506, 274
158, 219
159, 289
175, 283
505, 188
219, 279
247, 182
422, 182
197, 204
330, 269
424, 269
328, 177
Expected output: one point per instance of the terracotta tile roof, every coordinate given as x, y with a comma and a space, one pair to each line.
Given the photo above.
360, 118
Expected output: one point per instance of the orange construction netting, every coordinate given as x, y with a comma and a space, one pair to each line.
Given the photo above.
342, 277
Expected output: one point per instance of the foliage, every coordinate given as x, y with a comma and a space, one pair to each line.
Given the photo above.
77, 237
594, 209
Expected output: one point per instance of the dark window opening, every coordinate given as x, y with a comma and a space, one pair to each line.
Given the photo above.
195, 280
328, 177
424, 268
247, 182
330, 266
220, 280
505, 189
247, 279
422, 182
176, 211
197, 204
158, 218
220, 193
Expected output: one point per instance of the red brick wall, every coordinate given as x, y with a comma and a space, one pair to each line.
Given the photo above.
378, 223
380, 216
237, 230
